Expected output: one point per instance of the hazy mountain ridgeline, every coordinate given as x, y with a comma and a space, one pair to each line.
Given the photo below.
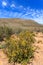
21, 24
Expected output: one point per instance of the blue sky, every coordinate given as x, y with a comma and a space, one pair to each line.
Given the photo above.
26, 9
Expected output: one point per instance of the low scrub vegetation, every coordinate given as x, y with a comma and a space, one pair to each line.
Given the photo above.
19, 48
5, 32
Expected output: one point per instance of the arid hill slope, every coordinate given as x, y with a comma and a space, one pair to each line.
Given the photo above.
21, 23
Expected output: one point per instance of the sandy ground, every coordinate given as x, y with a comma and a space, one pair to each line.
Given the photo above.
3, 59
38, 54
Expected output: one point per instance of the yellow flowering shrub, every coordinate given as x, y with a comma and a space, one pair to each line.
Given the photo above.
20, 50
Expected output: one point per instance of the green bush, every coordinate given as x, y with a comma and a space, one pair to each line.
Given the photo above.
20, 49
5, 32
1, 33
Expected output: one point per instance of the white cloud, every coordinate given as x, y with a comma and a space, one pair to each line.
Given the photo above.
13, 5
4, 3
36, 15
